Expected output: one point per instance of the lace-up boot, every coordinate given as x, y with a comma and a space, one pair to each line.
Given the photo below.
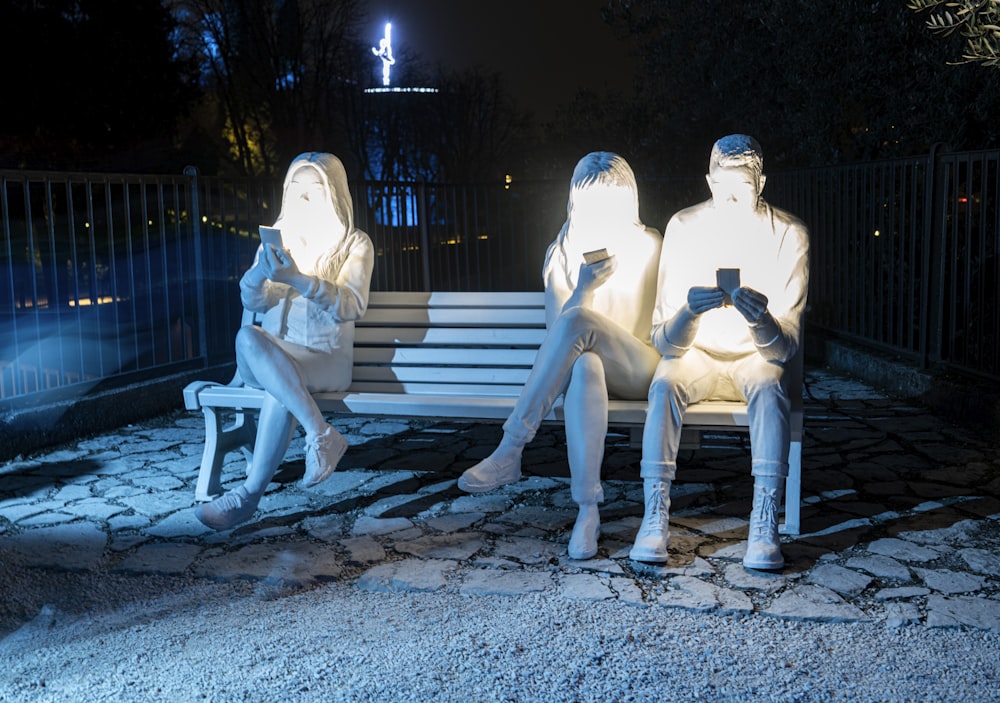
763, 545
654, 533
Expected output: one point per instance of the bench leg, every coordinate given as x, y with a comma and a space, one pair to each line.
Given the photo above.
635, 436
793, 491
219, 441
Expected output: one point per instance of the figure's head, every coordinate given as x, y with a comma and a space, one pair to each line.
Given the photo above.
736, 174
603, 188
315, 188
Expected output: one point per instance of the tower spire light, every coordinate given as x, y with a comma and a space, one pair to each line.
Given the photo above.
384, 52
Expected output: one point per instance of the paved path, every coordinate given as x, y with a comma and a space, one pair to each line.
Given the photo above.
900, 523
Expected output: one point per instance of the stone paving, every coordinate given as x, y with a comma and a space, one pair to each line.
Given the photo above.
901, 517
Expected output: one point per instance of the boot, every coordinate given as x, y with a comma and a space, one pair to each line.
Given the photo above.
763, 545
654, 533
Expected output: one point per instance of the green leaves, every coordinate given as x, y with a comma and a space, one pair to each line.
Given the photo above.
976, 20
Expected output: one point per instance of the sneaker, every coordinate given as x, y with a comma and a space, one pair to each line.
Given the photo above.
489, 474
226, 511
586, 530
323, 452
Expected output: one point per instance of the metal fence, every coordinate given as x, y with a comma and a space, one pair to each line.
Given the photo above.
108, 278
905, 255
93, 278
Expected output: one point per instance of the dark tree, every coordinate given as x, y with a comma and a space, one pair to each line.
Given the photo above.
277, 72
479, 127
817, 84
90, 84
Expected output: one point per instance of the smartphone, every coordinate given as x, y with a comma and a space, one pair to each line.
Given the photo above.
592, 257
270, 235
728, 281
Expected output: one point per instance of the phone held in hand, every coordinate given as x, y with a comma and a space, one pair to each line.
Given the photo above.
593, 257
271, 235
728, 281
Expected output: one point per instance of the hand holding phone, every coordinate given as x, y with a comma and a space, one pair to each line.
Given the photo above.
592, 257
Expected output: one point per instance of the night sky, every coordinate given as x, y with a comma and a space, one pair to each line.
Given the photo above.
544, 49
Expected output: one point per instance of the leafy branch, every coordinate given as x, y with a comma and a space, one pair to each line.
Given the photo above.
976, 20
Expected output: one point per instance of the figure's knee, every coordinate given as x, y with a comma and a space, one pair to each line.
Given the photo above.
576, 321
665, 387
766, 383
249, 339
588, 368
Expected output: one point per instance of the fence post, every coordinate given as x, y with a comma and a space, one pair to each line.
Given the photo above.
930, 276
425, 239
199, 267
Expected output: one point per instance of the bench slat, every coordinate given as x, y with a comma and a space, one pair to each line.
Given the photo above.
408, 388
447, 358
436, 317
454, 336
441, 374
457, 299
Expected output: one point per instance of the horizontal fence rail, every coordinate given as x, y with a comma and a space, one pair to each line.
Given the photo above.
108, 278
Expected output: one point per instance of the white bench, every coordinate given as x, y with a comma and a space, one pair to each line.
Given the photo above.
455, 355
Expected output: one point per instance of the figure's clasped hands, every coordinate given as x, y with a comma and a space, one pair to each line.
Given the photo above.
751, 304
701, 299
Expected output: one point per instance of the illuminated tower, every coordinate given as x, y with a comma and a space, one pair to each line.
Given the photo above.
397, 150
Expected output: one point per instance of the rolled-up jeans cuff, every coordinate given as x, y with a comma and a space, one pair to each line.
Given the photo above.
516, 431
664, 470
765, 467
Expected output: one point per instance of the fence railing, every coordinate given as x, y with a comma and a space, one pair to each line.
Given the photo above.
96, 278
905, 255
104, 278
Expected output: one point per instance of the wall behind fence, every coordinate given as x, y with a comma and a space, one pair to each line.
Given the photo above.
109, 278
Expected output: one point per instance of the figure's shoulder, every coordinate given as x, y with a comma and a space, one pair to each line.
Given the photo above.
360, 236
645, 245
691, 213
358, 241
651, 236
688, 216
788, 220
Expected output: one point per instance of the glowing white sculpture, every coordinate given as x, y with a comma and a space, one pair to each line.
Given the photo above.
384, 52
734, 351
311, 288
600, 276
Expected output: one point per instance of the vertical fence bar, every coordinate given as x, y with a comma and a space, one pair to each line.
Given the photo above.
425, 239
194, 208
929, 318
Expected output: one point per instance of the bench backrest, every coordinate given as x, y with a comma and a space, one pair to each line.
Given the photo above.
448, 343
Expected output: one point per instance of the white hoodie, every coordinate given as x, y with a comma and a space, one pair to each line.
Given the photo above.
338, 255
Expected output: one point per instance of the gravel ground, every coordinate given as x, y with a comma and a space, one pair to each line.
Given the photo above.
136, 639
